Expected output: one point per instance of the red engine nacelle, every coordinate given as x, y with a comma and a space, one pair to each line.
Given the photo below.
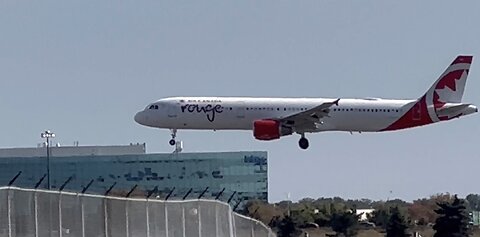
266, 129
269, 130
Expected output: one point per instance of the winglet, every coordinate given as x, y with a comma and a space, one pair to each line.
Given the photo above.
336, 102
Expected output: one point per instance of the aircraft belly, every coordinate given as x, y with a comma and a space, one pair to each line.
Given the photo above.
363, 123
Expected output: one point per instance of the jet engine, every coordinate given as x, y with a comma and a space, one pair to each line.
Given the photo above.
267, 129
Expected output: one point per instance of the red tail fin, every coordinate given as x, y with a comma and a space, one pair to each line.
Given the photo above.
448, 88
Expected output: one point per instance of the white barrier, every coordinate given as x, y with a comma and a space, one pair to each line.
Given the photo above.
40, 213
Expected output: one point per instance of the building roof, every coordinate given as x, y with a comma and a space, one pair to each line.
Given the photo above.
65, 151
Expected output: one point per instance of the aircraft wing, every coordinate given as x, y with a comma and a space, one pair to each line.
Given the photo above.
309, 119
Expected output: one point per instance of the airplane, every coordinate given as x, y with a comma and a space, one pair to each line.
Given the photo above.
272, 118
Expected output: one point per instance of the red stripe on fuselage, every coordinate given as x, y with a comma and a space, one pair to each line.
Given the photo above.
414, 117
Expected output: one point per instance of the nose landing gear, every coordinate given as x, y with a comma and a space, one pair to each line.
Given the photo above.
303, 142
172, 142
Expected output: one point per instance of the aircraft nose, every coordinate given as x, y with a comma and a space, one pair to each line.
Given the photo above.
140, 118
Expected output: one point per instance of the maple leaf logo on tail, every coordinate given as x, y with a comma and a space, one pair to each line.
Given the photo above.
449, 87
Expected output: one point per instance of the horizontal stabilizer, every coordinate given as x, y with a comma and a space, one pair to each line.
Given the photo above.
451, 110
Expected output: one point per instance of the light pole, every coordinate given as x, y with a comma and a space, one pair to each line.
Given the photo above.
48, 134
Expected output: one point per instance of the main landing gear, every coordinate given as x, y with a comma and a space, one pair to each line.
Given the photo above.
172, 142
303, 142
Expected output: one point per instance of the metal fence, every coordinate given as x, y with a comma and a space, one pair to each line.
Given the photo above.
40, 213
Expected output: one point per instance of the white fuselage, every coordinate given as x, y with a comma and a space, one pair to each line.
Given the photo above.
271, 118
222, 113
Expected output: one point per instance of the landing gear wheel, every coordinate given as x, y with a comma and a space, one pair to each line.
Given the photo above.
174, 135
303, 143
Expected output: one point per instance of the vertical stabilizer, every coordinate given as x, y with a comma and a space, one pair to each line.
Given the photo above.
450, 85
448, 88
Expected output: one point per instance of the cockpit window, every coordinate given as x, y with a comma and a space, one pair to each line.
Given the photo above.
153, 107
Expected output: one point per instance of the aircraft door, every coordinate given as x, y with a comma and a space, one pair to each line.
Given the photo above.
240, 109
172, 110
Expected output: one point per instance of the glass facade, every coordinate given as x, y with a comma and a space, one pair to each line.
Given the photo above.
234, 176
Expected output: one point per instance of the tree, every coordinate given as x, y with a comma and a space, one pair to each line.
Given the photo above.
322, 218
380, 216
473, 202
261, 211
345, 223
382, 213
452, 220
287, 228
422, 211
302, 217
396, 226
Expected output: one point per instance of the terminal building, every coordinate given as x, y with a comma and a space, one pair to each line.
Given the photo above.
233, 177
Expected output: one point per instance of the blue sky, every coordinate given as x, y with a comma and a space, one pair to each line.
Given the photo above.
84, 68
